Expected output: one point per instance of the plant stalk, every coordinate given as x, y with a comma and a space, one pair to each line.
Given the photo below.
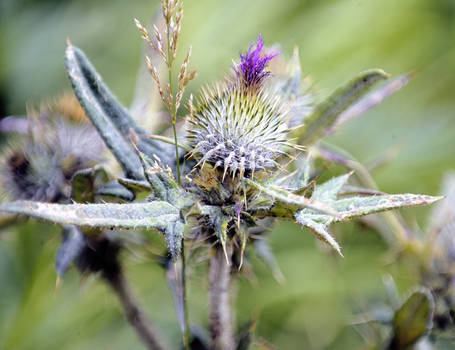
186, 332
220, 318
173, 111
134, 314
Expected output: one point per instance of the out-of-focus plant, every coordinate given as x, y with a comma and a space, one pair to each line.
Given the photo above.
237, 165
426, 319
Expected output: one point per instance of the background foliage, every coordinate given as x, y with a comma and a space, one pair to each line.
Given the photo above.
337, 39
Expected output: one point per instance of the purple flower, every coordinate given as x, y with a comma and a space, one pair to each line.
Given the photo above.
251, 68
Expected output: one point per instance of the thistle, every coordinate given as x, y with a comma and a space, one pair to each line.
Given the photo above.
239, 126
246, 135
41, 164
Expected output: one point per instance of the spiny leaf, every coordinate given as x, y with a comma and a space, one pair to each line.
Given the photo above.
412, 320
348, 208
156, 214
163, 183
326, 113
102, 109
319, 230
328, 191
352, 207
291, 199
220, 223
300, 181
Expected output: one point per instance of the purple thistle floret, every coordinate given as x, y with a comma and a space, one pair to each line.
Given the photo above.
251, 69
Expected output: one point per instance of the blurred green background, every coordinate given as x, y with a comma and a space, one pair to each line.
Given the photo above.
337, 39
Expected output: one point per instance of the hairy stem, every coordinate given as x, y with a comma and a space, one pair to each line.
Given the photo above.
186, 332
134, 314
220, 318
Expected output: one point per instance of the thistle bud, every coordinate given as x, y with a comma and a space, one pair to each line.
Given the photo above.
40, 164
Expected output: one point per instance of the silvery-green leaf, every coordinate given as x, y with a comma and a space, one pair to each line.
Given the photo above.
319, 230
328, 191
173, 234
72, 245
349, 208
326, 113
300, 181
220, 223
290, 199
164, 185
371, 100
412, 320
352, 207
157, 214
106, 114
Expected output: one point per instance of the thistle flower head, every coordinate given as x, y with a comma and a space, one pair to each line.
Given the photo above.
240, 128
41, 164
251, 69
237, 130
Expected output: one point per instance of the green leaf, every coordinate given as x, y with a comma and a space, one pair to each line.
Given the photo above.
328, 191
326, 113
349, 208
372, 99
163, 183
412, 320
85, 182
102, 109
319, 230
174, 235
110, 117
301, 179
220, 223
109, 215
290, 199
352, 207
